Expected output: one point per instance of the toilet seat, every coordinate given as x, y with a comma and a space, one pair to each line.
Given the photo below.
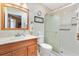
46, 46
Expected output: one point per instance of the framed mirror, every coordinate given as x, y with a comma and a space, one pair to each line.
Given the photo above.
14, 17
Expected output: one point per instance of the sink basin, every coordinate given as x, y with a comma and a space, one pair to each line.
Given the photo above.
18, 37
22, 36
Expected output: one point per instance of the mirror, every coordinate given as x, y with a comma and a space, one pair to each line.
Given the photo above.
15, 18
14, 21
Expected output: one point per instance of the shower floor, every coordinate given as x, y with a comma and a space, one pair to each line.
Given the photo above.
65, 53
68, 53
50, 54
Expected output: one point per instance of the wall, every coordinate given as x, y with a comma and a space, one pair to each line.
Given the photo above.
33, 11
34, 8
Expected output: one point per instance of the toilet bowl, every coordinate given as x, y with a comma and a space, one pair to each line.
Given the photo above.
44, 48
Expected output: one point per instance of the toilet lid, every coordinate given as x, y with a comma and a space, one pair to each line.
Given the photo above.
46, 46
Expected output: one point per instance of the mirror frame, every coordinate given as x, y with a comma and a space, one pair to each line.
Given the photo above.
17, 7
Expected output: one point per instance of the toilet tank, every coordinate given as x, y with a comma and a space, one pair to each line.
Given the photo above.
40, 39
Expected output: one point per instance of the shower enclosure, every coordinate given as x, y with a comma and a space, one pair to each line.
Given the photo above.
60, 31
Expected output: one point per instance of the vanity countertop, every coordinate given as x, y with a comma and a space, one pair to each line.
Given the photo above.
7, 40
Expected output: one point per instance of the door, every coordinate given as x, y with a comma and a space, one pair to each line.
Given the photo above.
32, 50
52, 31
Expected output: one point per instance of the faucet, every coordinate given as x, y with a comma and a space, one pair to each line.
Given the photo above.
23, 33
18, 34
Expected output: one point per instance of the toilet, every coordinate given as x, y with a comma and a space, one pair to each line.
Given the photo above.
44, 48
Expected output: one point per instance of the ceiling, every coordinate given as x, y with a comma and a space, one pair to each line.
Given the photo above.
53, 6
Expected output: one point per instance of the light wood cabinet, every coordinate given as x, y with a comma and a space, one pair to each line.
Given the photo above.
32, 50
21, 48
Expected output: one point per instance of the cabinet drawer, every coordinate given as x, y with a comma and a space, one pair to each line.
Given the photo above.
32, 41
18, 45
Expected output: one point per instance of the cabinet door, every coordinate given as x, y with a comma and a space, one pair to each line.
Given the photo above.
20, 52
32, 50
7, 54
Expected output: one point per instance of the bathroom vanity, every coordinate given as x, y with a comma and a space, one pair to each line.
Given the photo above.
26, 46
16, 17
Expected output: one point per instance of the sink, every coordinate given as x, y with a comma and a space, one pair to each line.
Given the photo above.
22, 36
18, 37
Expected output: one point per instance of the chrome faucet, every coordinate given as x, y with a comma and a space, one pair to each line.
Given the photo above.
18, 34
